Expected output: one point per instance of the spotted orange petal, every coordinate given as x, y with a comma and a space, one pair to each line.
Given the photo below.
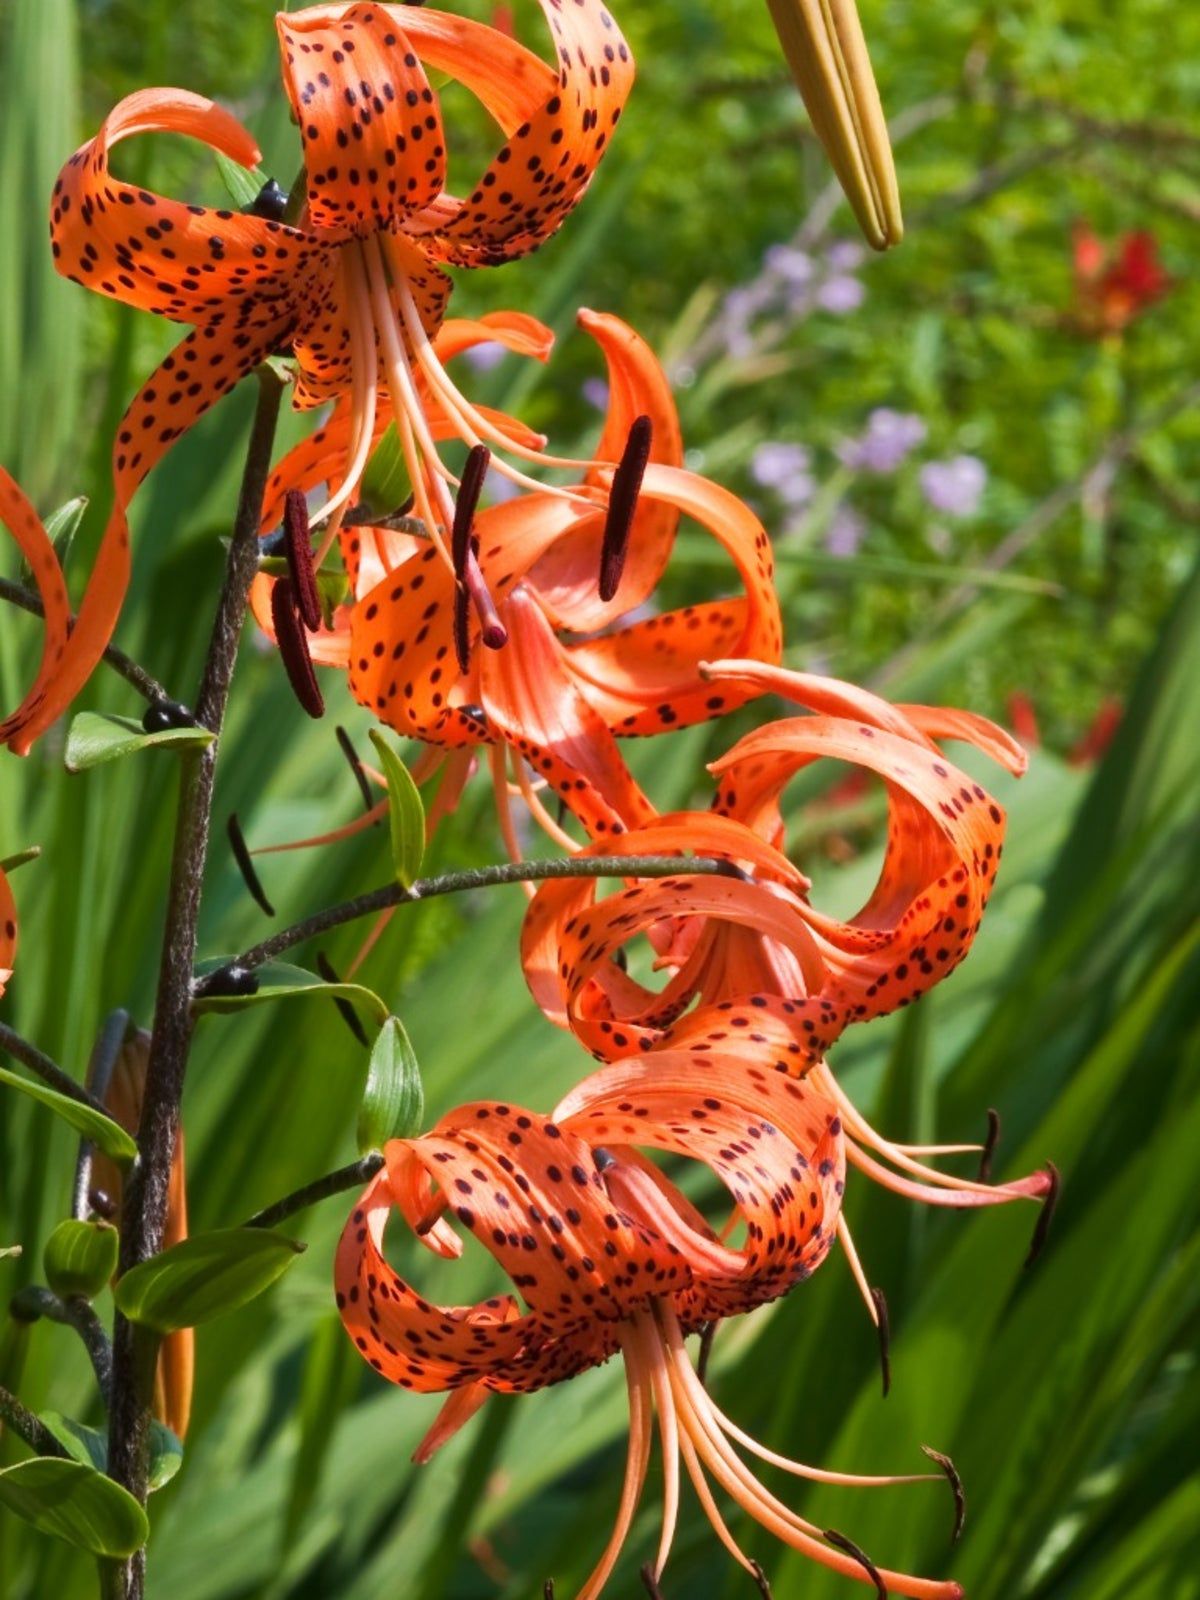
179, 261
775, 1143
548, 162
566, 576
23, 522
646, 677
374, 151
531, 700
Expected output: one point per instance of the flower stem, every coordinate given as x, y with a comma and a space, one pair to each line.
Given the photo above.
394, 894
348, 1177
48, 1071
145, 1205
28, 1427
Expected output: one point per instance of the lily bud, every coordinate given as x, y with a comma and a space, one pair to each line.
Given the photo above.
824, 45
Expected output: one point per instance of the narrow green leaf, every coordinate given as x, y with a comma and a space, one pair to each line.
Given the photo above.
63, 524
94, 739
104, 1133
204, 1277
393, 1102
279, 980
80, 1257
332, 1372
90, 1446
76, 1503
406, 813
243, 184
386, 484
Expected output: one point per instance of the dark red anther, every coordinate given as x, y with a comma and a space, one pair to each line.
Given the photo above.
884, 1330
466, 506
293, 648
356, 766
622, 503
840, 1542
462, 625
298, 550
548, 1589
345, 1010
650, 1582
989, 1145
708, 1334
760, 1578
245, 861
956, 1488
1049, 1202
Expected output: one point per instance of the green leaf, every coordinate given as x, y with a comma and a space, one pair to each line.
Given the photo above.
90, 1446
406, 813
80, 1257
63, 524
243, 184
94, 738
386, 484
204, 1277
74, 1502
279, 980
104, 1133
393, 1102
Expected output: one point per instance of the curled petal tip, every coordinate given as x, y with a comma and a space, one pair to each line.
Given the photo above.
825, 49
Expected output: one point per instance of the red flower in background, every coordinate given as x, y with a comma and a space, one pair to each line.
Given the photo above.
1114, 283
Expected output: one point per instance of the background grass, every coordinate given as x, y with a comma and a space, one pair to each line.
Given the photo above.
1069, 1396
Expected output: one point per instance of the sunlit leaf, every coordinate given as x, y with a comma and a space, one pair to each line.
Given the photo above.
393, 1102
76, 1503
204, 1277
94, 739
104, 1133
406, 813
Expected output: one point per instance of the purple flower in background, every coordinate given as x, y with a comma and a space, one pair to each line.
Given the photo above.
954, 487
844, 256
786, 470
845, 533
595, 392
840, 294
888, 439
483, 357
793, 265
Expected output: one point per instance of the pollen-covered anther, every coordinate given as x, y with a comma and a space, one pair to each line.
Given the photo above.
884, 1329
293, 648
622, 503
840, 1542
956, 1488
298, 551
989, 1145
245, 864
1050, 1192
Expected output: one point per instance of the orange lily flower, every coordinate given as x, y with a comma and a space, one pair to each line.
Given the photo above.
1115, 284
358, 287
574, 677
607, 1255
23, 522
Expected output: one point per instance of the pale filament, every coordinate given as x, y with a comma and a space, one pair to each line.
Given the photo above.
856, 1267
636, 1462
538, 811
365, 384
861, 1129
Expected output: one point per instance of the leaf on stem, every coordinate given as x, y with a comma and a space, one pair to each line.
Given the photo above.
104, 1133
90, 1446
393, 1102
279, 980
406, 813
74, 1502
94, 739
204, 1277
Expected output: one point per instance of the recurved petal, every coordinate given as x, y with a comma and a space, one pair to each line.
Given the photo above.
646, 677
179, 261
548, 162
374, 150
515, 330
774, 1142
945, 835
23, 522
532, 700
566, 577
205, 366
824, 45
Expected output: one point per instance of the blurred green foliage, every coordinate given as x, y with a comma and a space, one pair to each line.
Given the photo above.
1070, 1396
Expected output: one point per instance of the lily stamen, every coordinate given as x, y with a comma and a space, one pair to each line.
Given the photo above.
840, 1542
622, 503
293, 648
298, 551
989, 1145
